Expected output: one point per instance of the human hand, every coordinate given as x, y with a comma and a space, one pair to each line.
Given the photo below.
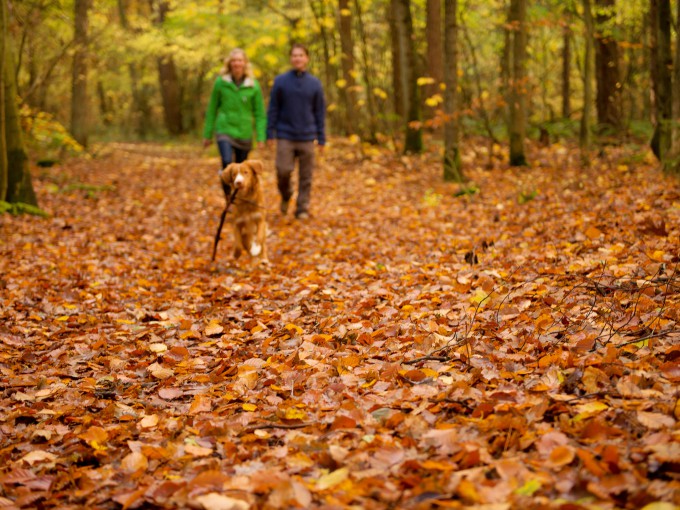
206, 143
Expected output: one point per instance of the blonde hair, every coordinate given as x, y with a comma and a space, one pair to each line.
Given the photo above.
226, 69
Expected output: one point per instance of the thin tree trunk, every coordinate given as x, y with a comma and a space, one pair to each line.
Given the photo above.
584, 133
518, 90
370, 97
140, 111
452, 163
653, 71
330, 74
348, 91
170, 94
673, 161
79, 99
608, 79
478, 83
433, 32
405, 49
566, 75
169, 83
663, 92
397, 85
3, 140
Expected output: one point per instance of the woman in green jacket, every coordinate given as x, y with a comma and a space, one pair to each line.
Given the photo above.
235, 110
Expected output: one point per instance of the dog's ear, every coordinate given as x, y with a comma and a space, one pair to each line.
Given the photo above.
227, 175
256, 165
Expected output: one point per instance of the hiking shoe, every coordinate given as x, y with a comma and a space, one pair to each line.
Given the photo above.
302, 216
284, 207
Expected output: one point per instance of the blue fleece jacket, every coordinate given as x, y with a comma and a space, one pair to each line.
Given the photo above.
297, 108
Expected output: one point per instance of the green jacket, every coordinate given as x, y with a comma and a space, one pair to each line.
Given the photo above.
235, 111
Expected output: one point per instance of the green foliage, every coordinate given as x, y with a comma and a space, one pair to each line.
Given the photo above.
46, 138
526, 196
198, 36
467, 190
91, 190
432, 198
15, 209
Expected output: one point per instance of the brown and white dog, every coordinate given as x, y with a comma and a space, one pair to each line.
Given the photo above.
250, 222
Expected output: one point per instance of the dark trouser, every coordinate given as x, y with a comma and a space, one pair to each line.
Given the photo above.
286, 153
230, 154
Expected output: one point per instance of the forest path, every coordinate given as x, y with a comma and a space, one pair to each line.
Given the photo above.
408, 343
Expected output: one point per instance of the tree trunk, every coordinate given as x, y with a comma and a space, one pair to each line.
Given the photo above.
79, 100
397, 86
140, 111
672, 165
566, 67
408, 76
663, 61
435, 68
348, 91
607, 75
518, 90
170, 94
169, 83
19, 185
370, 97
452, 163
584, 132
483, 112
3, 62
330, 75
654, 71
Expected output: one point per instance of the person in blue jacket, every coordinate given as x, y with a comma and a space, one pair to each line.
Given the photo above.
296, 120
235, 113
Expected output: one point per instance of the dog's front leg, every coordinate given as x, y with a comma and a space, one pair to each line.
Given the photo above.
238, 241
261, 237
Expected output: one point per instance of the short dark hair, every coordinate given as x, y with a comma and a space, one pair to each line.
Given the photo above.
300, 46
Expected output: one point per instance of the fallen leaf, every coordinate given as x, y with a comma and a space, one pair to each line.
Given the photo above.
38, 456
133, 462
332, 479
655, 421
215, 501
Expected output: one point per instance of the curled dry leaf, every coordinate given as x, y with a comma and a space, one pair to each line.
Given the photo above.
655, 421
149, 421
159, 371
170, 393
213, 329
38, 456
215, 501
134, 462
332, 479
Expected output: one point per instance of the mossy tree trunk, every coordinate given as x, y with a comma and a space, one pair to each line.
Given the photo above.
19, 185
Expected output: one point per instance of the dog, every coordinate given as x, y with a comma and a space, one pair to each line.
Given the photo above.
250, 221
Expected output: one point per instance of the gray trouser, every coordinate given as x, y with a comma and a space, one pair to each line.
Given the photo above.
286, 153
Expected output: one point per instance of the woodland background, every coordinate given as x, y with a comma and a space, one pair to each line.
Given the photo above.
482, 312
506, 70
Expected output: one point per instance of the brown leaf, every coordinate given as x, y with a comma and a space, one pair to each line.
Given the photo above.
134, 462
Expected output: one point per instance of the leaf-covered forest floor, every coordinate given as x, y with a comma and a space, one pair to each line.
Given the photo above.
414, 344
